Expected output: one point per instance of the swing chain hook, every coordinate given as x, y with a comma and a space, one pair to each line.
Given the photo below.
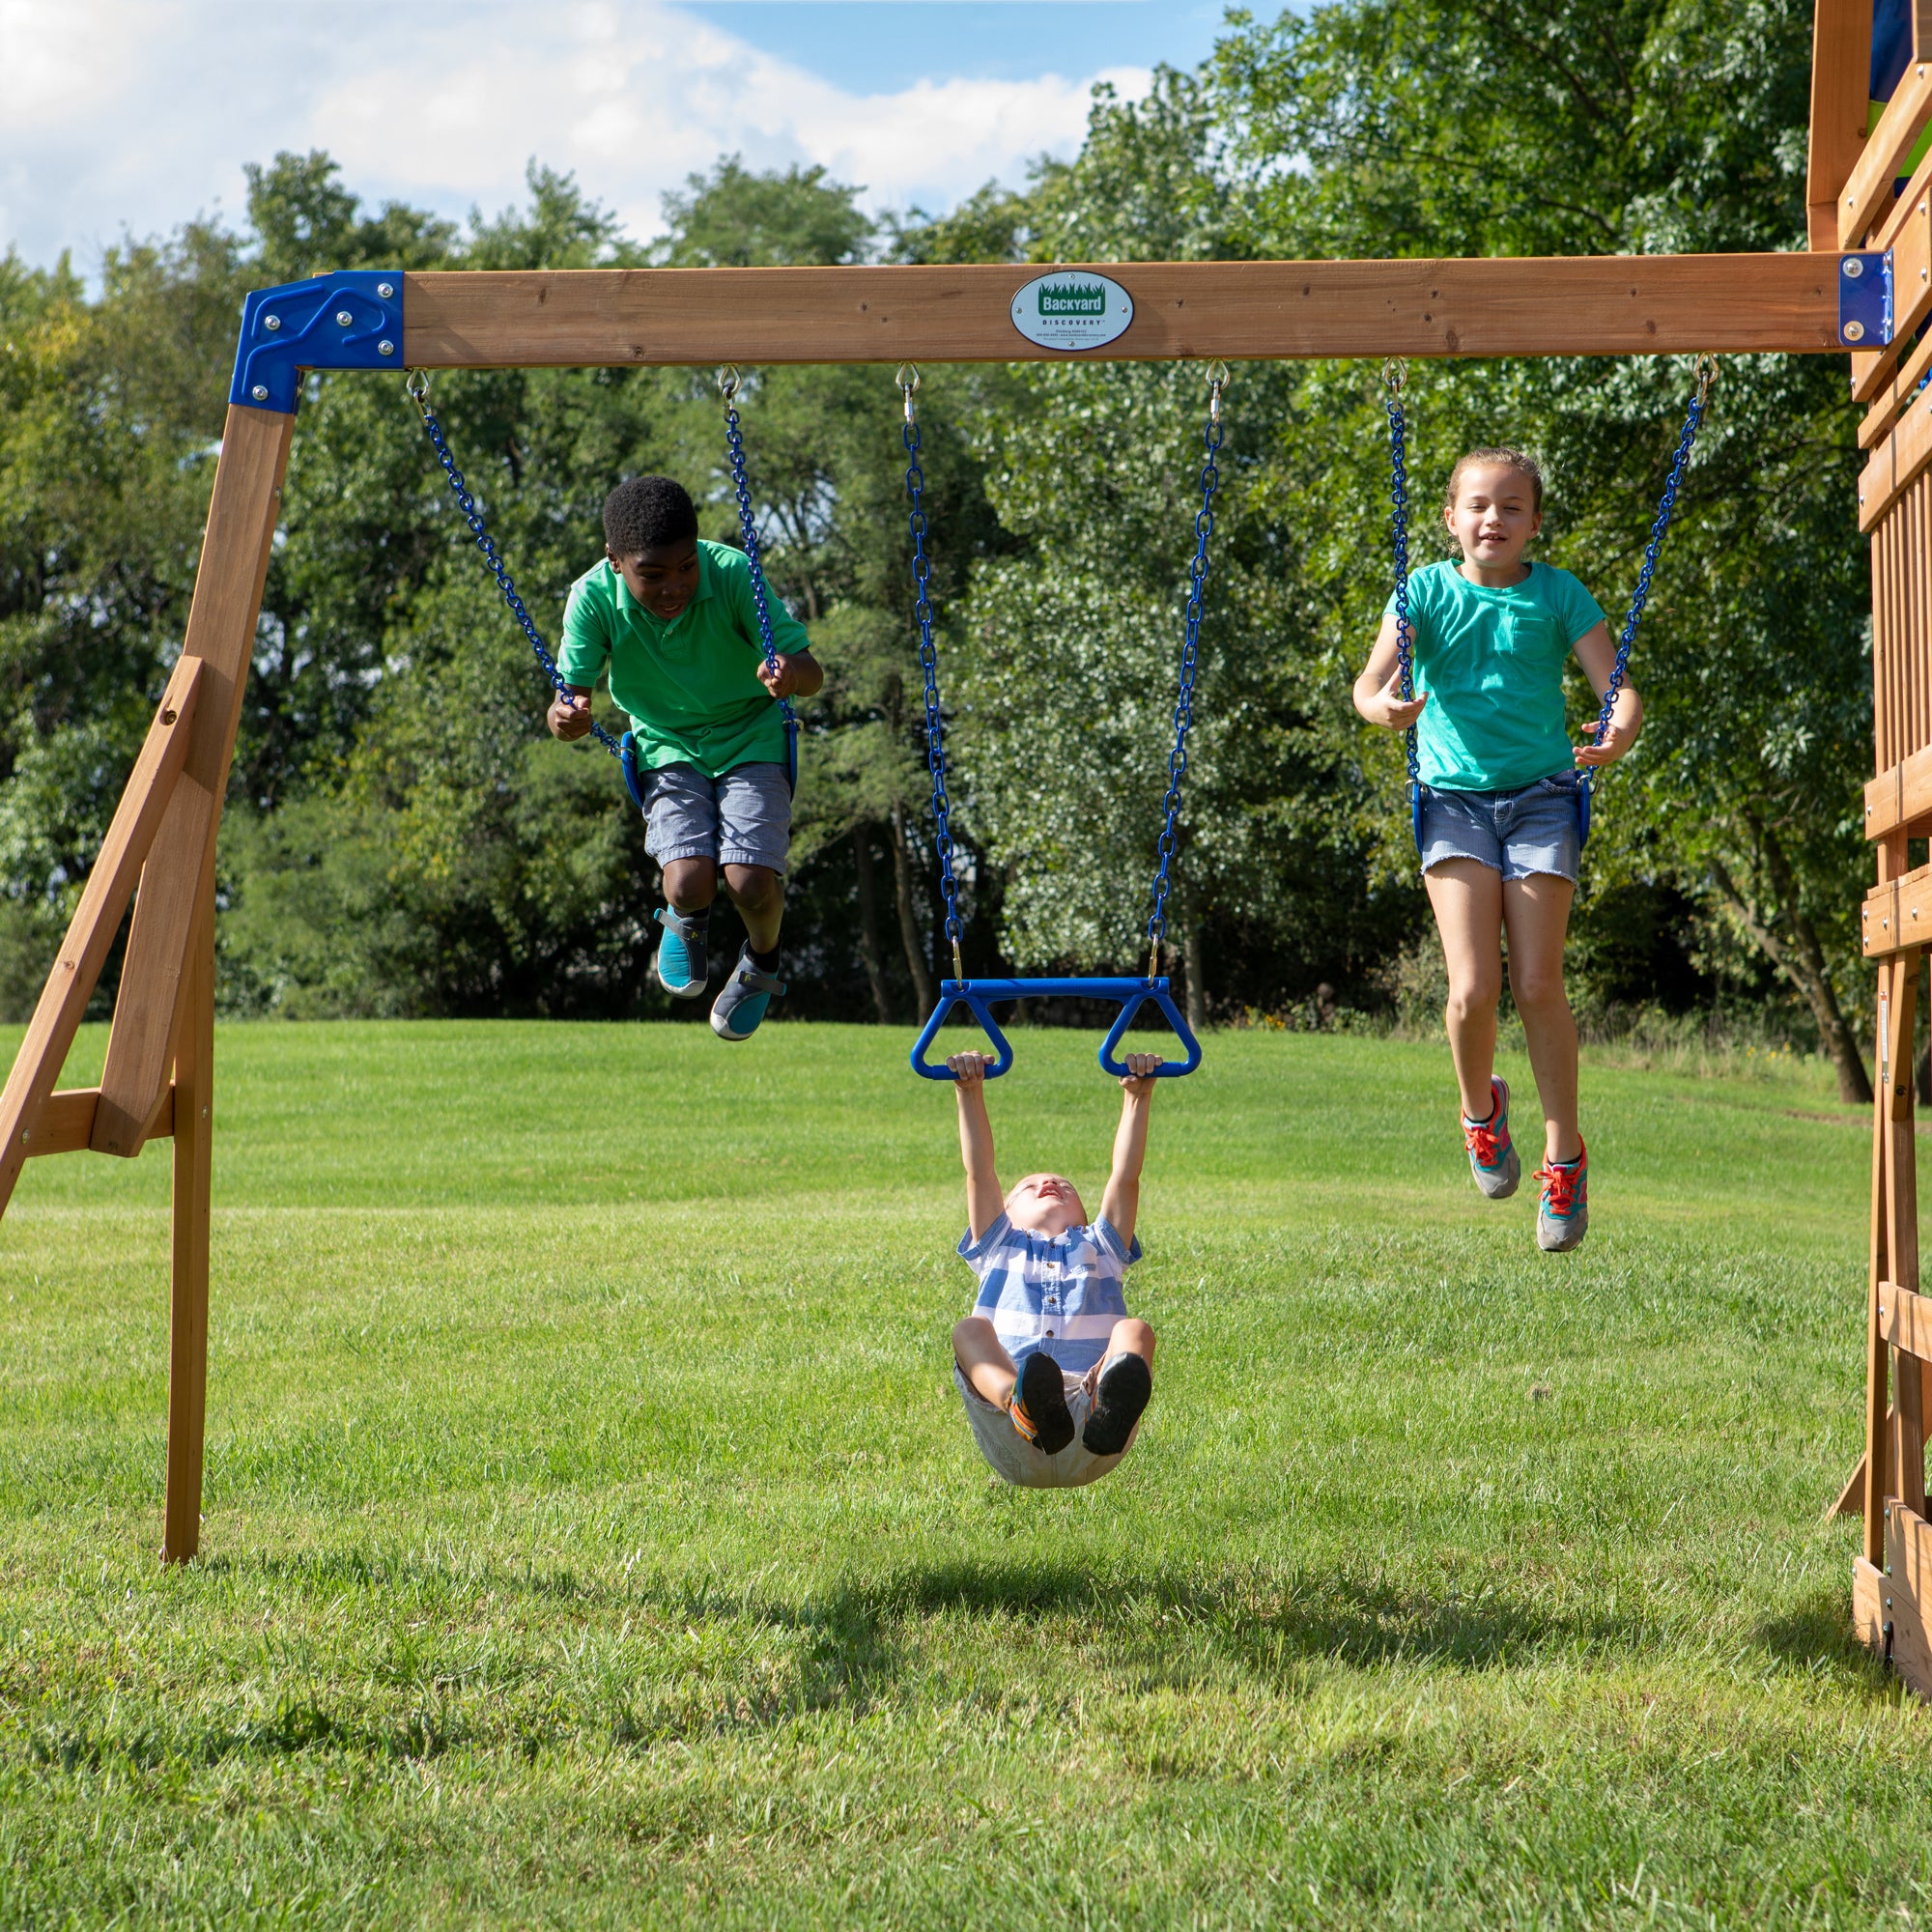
1217, 380
908, 382
728, 382
415, 382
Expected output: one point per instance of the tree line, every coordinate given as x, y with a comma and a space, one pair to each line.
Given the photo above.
402, 839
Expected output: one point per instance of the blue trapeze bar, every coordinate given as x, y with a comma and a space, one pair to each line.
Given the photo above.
981, 996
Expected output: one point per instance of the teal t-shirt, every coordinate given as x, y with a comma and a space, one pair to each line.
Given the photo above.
690, 685
1491, 662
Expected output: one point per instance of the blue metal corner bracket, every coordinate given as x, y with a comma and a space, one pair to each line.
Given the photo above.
350, 320
1864, 300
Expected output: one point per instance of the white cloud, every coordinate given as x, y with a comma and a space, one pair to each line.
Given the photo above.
136, 114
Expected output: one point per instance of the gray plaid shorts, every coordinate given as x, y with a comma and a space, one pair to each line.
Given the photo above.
742, 817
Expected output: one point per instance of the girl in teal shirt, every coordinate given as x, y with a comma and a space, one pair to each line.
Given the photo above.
1500, 840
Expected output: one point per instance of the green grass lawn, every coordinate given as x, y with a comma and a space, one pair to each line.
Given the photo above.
592, 1536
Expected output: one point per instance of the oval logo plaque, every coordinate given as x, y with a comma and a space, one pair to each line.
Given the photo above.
1072, 309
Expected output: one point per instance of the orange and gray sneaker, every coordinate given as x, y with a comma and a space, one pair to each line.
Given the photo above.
1038, 1406
1493, 1156
1563, 1217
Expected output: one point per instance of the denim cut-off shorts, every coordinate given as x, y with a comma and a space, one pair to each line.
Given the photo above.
1515, 833
743, 819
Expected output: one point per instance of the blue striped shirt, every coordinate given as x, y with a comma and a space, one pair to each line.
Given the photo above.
1061, 1293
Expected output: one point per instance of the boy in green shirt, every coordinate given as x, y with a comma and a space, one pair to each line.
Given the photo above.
674, 620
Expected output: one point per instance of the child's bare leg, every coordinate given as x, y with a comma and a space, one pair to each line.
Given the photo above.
983, 1361
759, 893
1130, 1336
691, 885
1537, 912
1467, 900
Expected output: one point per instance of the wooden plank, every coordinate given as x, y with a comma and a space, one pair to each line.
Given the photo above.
67, 1121
1908, 1549
1866, 197
1601, 305
1901, 1194
1911, 243
1905, 1320
187, 1320
1868, 1603
1896, 463
1842, 33
221, 631
1898, 915
1899, 800
1878, 1420
136, 823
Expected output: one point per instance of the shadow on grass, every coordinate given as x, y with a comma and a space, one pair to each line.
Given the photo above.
1816, 1636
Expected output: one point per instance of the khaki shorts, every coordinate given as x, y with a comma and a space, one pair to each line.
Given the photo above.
1019, 1462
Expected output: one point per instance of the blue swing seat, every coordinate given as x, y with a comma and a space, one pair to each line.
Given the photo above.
981, 996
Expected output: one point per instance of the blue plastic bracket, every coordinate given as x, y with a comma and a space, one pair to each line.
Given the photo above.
1864, 300
980, 996
350, 320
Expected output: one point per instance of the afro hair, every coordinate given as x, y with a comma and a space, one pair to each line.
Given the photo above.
647, 513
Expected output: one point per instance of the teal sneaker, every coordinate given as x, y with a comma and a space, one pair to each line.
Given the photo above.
1563, 1218
736, 1011
1493, 1154
682, 965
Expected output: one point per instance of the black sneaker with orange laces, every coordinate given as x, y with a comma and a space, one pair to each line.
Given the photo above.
1038, 1406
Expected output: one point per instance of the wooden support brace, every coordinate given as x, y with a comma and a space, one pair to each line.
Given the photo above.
1907, 1595
67, 1121
181, 868
135, 825
1899, 800
1868, 1603
1841, 35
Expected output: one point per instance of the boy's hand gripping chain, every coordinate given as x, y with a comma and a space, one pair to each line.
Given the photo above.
1190, 654
1394, 371
624, 749
1707, 374
728, 387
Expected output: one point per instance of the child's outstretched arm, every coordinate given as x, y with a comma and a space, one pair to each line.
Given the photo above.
1598, 655
1121, 1204
1378, 692
985, 1199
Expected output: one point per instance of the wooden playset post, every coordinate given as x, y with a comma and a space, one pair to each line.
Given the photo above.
158, 1074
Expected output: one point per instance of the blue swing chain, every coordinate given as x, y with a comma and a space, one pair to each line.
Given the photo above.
1190, 650
1706, 370
417, 385
1394, 371
928, 660
728, 387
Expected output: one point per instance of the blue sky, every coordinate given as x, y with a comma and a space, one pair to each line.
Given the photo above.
120, 116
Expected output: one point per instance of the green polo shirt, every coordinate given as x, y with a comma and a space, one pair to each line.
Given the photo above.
690, 686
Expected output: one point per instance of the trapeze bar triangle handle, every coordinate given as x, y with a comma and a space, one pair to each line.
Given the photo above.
1156, 991
952, 993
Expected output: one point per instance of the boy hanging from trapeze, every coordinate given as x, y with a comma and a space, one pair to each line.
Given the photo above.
1053, 1370
1499, 831
674, 619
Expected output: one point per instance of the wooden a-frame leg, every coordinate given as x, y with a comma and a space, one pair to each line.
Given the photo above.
187, 1324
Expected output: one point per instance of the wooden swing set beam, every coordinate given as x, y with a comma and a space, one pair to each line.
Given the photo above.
1590, 305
